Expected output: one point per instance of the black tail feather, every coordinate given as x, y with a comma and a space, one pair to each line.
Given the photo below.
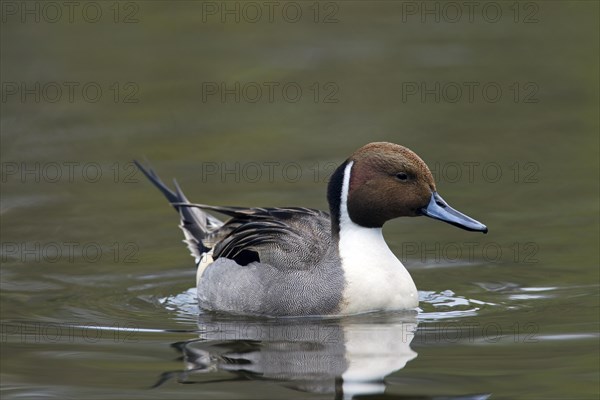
195, 223
151, 175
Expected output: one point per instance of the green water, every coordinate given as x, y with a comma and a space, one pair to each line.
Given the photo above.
96, 299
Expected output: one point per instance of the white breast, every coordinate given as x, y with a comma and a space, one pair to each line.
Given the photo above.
375, 279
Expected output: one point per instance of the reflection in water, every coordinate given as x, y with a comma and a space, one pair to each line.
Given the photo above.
346, 357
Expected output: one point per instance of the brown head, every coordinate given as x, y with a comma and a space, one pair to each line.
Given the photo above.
388, 181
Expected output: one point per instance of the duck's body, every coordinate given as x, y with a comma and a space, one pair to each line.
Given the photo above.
298, 272
299, 261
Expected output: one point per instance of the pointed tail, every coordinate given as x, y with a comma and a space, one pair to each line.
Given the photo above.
195, 223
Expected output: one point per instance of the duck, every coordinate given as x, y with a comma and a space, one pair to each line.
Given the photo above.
296, 261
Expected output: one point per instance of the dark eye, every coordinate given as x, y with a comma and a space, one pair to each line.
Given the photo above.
402, 176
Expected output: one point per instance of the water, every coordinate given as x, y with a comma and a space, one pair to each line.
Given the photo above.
96, 298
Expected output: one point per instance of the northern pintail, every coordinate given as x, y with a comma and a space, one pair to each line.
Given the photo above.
299, 261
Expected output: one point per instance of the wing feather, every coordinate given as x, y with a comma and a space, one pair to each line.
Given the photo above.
271, 235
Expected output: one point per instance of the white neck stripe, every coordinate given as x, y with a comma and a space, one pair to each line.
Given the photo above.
344, 215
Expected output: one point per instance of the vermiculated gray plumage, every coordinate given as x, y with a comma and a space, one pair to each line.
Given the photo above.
269, 261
